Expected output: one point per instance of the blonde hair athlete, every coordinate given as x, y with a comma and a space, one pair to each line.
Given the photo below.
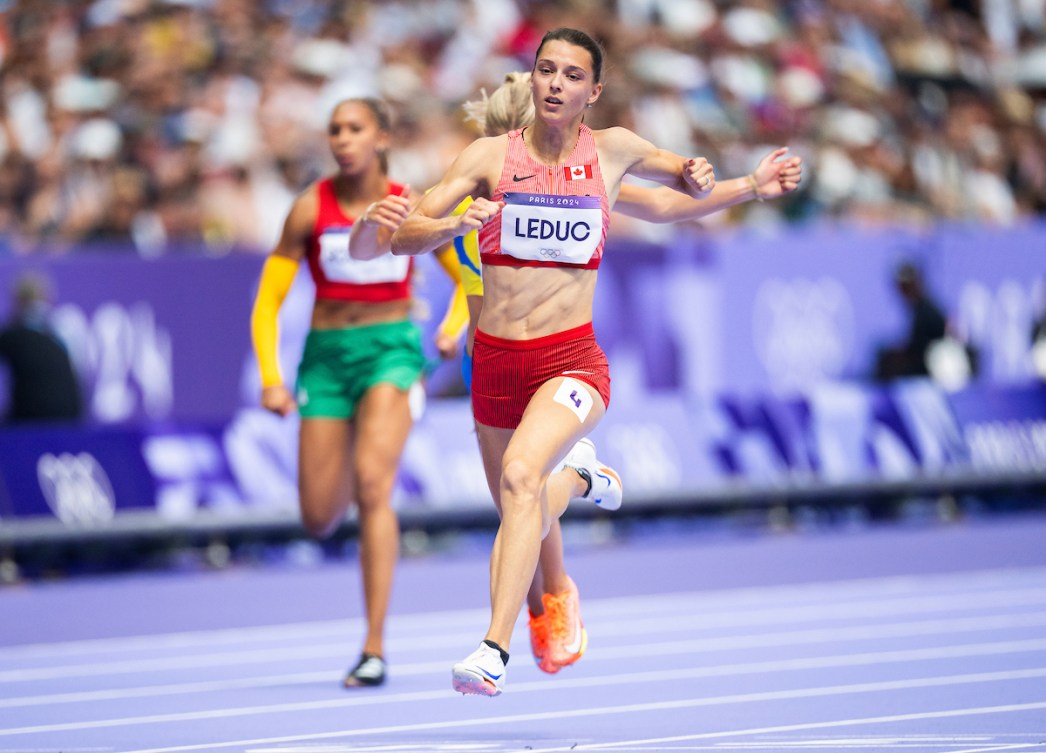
508, 108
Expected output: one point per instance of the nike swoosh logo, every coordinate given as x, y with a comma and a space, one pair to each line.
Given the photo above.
488, 674
575, 645
518, 178
605, 478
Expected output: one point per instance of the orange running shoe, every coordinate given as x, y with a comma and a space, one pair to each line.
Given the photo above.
539, 640
567, 639
538, 625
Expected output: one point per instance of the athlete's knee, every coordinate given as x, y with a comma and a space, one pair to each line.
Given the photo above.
374, 490
521, 483
319, 524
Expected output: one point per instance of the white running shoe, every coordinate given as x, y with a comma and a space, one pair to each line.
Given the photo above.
481, 673
604, 485
368, 672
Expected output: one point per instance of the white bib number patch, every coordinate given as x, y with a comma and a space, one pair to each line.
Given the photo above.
338, 266
543, 227
575, 396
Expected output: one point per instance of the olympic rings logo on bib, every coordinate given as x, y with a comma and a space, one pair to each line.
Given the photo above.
543, 227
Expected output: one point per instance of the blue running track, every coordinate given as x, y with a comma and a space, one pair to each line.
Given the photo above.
927, 639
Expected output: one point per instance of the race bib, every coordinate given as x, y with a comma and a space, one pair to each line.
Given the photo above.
338, 266
542, 227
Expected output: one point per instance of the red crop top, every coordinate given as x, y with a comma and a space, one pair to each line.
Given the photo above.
337, 275
554, 216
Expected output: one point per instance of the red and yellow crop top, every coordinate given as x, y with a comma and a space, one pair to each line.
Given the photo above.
337, 275
553, 216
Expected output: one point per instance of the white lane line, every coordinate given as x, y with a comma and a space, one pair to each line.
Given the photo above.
225, 659
512, 746
238, 636
985, 743
968, 584
721, 747
644, 626
624, 678
180, 688
597, 654
190, 639
594, 655
888, 719
1022, 746
972, 584
855, 611
853, 741
440, 747
829, 744
458, 724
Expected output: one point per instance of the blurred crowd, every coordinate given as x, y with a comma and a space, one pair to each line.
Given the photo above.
162, 125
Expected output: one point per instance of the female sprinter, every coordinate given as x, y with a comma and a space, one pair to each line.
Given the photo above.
542, 199
552, 599
361, 357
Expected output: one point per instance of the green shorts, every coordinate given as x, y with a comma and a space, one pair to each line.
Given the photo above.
339, 365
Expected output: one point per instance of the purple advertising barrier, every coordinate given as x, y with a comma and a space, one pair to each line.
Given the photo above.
168, 339
845, 432
81, 476
87, 476
651, 302
664, 447
992, 282
805, 306
733, 357
153, 340
1003, 428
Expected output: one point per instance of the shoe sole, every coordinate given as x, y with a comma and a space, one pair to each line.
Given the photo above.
572, 658
547, 666
355, 682
352, 680
469, 682
542, 662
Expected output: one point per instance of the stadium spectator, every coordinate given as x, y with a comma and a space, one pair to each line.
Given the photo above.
1038, 346
43, 385
887, 102
926, 325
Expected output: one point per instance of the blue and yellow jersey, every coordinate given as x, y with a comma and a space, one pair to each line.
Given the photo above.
456, 319
467, 247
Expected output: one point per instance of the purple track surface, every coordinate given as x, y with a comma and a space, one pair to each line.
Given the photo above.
929, 638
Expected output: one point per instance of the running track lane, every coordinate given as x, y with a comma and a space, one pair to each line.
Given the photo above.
909, 639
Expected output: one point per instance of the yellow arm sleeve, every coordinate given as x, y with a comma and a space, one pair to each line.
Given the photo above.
457, 317
277, 276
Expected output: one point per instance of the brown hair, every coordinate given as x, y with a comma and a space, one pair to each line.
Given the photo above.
382, 116
580, 39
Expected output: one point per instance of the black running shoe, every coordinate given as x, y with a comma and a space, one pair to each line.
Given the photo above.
369, 672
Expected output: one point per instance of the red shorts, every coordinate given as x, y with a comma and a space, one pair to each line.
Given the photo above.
507, 373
